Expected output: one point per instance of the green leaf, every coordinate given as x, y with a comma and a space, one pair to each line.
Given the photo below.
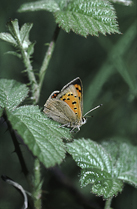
19, 38
87, 153
81, 16
108, 187
42, 135
13, 27
30, 49
24, 34
14, 53
12, 93
124, 157
51, 6
93, 175
87, 17
96, 165
8, 38
24, 31
106, 169
124, 2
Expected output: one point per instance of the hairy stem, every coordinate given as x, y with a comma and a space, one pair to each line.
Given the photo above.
31, 76
14, 29
17, 147
37, 185
47, 58
37, 174
19, 154
108, 203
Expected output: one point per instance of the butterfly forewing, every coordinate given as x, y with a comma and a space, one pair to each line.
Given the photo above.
70, 96
77, 83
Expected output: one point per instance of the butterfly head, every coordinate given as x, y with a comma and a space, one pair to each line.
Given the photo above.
78, 125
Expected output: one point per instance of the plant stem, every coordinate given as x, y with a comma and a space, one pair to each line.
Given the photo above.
32, 79
16, 145
19, 154
16, 33
37, 185
37, 174
108, 203
47, 58
27, 63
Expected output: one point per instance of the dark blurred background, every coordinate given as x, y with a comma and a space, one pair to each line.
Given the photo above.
107, 68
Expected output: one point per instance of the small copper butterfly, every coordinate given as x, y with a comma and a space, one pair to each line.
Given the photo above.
66, 106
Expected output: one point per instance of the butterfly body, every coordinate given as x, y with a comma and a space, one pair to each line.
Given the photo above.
66, 106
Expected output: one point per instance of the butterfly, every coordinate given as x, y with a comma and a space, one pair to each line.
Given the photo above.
66, 106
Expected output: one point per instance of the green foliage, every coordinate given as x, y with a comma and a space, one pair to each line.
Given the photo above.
106, 169
41, 135
83, 17
51, 6
8, 38
113, 63
124, 158
124, 2
18, 37
109, 76
12, 93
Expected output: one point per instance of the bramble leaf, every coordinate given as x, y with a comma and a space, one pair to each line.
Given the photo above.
8, 38
14, 53
19, 38
24, 31
87, 17
124, 157
51, 6
83, 17
12, 93
124, 2
106, 169
42, 135
13, 27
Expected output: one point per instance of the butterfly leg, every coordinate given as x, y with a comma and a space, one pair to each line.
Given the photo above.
64, 125
72, 130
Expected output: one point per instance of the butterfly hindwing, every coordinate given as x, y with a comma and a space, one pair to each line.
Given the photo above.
59, 111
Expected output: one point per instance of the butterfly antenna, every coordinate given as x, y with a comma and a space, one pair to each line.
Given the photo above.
93, 109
